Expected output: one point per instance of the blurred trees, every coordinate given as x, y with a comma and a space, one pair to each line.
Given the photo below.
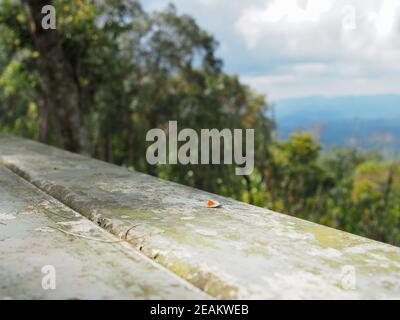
111, 71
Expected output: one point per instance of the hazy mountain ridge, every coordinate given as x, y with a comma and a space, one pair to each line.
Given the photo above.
362, 121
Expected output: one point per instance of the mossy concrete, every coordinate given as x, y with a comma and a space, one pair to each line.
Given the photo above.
89, 262
237, 251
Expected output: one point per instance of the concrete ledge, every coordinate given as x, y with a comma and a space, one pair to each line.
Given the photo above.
235, 252
32, 235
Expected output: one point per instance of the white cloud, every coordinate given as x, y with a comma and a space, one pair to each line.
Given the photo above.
288, 48
324, 47
293, 86
319, 29
255, 22
386, 17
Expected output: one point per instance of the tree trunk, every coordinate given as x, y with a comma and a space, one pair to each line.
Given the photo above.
43, 121
60, 90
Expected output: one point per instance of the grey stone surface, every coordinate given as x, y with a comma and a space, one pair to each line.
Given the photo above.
237, 251
89, 263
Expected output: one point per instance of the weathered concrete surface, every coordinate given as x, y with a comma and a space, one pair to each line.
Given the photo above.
85, 268
237, 251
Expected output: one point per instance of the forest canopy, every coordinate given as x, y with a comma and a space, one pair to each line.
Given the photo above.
111, 71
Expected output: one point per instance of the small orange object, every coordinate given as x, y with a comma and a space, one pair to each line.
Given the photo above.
213, 204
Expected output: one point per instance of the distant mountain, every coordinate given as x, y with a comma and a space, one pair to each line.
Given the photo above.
363, 121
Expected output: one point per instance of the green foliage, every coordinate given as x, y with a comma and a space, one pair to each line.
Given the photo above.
136, 70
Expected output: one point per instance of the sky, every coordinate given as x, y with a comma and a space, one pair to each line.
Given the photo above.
297, 48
